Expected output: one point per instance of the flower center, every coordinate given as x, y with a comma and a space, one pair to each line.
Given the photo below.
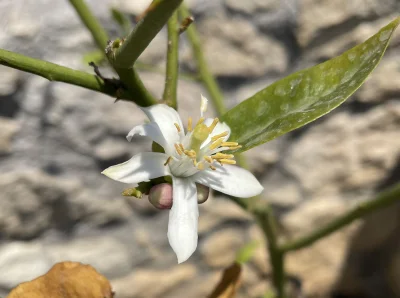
200, 149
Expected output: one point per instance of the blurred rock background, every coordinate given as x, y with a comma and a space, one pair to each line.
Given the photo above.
55, 139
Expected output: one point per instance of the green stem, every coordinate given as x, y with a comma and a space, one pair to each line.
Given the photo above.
54, 72
129, 77
266, 221
156, 17
171, 77
205, 73
384, 199
99, 35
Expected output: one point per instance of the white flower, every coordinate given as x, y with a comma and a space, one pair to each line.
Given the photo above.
194, 157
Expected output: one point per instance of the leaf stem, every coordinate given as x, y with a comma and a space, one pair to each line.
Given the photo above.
384, 199
147, 28
171, 77
129, 76
204, 71
55, 72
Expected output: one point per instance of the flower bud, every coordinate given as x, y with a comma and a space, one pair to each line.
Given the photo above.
160, 196
202, 193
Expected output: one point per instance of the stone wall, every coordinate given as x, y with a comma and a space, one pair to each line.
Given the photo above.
56, 139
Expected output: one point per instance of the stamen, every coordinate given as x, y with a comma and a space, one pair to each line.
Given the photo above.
190, 122
208, 158
181, 146
178, 128
222, 156
227, 161
213, 168
221, 135
216, 144
168, 160
201, 120
194, 162
178, 149
213, 124
229, 144
235, 147
200, 166
203, 105
190, 153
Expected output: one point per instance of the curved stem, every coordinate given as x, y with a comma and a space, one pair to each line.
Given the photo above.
157, 15
55, 72
128, 76
384, 199
171, 77
204, 71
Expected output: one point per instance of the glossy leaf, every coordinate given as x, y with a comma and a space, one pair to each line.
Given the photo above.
305, 95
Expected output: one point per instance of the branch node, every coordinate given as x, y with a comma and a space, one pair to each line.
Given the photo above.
185, 24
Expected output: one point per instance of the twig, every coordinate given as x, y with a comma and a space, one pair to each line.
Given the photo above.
205, 73
384, 199
55, 72
128, 76
266, 221
172, 70
137, 41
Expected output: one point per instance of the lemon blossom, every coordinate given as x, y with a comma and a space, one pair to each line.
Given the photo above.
192, 157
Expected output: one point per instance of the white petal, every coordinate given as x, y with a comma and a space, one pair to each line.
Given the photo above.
165, 117
152, 131
231, 180
183, 219
219, 128
142, 167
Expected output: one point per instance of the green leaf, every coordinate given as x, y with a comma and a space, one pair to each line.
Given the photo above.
121, 20
306, 95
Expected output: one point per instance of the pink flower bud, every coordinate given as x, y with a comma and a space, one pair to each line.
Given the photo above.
160, 196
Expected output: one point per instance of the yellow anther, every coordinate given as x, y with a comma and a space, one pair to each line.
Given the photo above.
201, 120
213, 124
216, 144
190, 153
213, 168
178, 149
235, 147
168, 160
200, 166
181, 146
178, 128
222, 156
221, 135
229, 144
228, 161
208, 158
190, 122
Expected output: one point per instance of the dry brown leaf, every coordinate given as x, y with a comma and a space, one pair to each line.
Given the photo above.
229, 282
66, 280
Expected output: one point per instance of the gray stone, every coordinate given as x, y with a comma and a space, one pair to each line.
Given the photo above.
9, 80
228, 41
251, 6
8, 129
105, 253
21, 262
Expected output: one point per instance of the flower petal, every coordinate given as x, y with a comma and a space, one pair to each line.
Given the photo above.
165, 117
142, 167
153, 131
231, 180
183, 219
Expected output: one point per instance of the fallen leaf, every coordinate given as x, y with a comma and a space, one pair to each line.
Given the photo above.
229, 282
66, 280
